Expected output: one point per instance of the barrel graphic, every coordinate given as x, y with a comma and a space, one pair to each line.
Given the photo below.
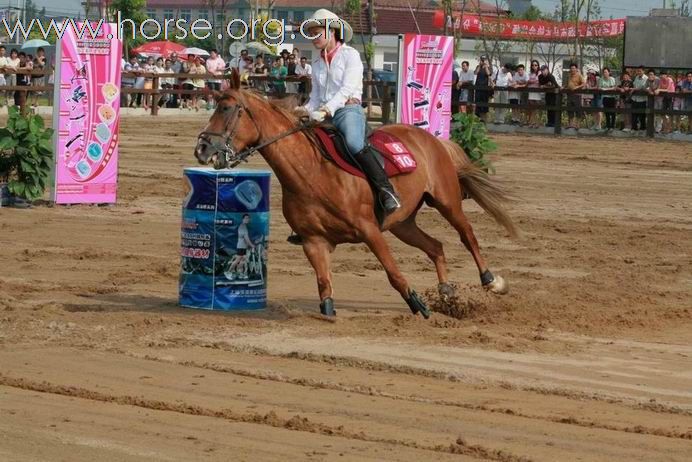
224, 237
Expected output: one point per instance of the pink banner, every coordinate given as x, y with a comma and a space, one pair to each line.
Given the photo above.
425, 82
536, 30
86, 117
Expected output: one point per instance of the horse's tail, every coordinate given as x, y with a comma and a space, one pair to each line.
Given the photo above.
488, 193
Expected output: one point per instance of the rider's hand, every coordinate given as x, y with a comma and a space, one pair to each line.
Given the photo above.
326, 110
318, 116
300, 111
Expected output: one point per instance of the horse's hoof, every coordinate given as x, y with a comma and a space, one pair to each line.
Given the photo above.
327, 307
417, 305
446, 291
497, 286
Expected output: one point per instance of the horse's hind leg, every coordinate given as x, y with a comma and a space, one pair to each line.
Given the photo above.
409, 233
453, 212
318, 252
377, 244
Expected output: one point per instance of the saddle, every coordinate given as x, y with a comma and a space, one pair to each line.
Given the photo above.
392, 153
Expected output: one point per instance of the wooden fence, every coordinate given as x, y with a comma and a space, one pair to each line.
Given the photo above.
559, 106
376, 92
381, 93
24, 89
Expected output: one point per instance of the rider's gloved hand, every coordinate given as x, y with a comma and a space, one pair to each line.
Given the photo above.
318, 116
300, 111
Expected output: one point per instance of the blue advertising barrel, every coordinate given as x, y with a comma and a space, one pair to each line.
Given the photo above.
224, 237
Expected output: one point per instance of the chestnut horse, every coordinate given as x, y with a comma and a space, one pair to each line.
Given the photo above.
327, 206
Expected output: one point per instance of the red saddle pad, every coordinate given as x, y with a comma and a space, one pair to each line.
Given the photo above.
397, 158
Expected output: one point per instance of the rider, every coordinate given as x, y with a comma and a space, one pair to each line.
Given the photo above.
337, 85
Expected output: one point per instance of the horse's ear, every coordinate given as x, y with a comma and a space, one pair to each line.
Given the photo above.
235, 79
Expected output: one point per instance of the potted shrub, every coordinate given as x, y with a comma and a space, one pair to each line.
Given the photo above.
470, 133
6, 167
26, 153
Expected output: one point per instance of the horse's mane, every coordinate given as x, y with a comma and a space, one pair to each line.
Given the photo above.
285, 107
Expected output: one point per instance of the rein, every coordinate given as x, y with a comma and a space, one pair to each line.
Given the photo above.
231, 159
243, 155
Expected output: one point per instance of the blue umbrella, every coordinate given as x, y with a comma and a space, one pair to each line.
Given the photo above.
30, 46
35, 43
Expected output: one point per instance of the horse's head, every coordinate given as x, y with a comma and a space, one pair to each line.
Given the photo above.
231, 129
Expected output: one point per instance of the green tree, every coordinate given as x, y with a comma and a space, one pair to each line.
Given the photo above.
129, 9
30, 11
36, 33
273, 28
617, 44
532, 14
353, 8
205, 44
457, 25
447, 10
683, 9
489, 42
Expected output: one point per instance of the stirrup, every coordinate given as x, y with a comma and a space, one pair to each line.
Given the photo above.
392, 197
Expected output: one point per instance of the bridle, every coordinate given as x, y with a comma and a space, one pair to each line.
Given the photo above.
222, 142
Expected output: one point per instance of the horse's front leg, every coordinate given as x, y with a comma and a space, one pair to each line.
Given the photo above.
318, 252
378, 245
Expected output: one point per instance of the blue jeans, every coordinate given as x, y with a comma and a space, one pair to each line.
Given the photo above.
350, 120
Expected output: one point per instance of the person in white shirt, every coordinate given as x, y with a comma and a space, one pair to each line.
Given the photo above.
337, 85
139, 85
4, 62
466, 78
238, 62
521, 80
304, 69
503, 78
160, 69
128, 81
149, 67
304, 72
215, 65
12, 63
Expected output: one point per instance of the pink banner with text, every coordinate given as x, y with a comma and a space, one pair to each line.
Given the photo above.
425, 82
86, 117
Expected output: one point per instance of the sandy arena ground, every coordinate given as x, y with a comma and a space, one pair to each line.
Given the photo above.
588, 358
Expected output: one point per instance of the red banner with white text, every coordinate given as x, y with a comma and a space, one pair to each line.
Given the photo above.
533, 30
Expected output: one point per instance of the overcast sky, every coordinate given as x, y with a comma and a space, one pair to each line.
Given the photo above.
615, 8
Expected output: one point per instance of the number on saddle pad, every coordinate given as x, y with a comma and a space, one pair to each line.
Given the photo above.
400, 155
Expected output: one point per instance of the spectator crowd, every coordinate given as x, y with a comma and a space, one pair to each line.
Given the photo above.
14, 71
286, 73
631, 90
472, 89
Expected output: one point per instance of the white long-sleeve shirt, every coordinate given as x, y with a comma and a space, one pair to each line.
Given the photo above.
307, 70
333, 84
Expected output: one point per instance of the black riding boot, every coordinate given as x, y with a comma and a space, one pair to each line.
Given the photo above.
367, 159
